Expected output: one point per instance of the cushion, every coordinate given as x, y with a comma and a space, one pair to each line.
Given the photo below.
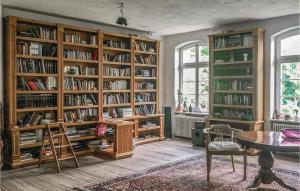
223, 145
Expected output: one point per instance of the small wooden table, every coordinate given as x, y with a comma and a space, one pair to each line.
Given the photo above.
267, 141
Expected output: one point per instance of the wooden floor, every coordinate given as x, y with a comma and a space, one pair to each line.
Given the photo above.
97, 168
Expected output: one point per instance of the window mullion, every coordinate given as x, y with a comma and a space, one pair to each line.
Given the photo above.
197, 87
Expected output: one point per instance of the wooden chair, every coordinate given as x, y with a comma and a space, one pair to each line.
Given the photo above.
222, 144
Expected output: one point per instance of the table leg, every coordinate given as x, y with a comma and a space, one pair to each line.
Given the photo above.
266, 174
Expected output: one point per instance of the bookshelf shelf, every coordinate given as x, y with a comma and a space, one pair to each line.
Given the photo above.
147, 140
149, 128
145, 90
144, 52
117, 105
80, 107
81, 76
36, 92
232, 48
36, 109
236, 76
233, 106
116, 77
144, 78
235, 62
80, 61
80, 45
232, 77
80, 91
35, 74
116, 49
35, 39
116, 91
117, 63
145, 65
144, 103
36, 57
76, 59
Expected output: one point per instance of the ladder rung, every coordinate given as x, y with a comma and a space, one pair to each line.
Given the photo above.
57, 135
66, 158
61, 146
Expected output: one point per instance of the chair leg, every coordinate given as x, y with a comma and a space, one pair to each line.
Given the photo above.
245, 166
232, 163
208, 165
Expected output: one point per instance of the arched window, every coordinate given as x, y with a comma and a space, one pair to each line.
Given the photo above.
287, 77
193, 75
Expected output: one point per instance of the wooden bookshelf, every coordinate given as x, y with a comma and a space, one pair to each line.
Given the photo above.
73, 66
236, 79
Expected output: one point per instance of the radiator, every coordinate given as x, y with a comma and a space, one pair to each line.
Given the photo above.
184, 124
279, 125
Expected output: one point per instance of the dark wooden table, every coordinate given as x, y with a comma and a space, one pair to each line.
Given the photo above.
267, 142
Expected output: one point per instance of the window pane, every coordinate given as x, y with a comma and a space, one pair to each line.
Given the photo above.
189, 88
203, 102
189, 74
290, 88
290, 46
289, 104
290, 71
203, 54
189, 55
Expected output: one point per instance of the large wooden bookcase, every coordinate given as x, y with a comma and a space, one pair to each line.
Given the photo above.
236, 79
56, 72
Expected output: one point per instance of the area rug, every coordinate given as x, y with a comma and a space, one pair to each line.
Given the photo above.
190, 175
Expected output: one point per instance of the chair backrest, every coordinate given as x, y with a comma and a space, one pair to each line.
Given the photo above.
221, 132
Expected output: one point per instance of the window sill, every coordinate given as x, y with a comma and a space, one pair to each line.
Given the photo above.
284, 121
191, 114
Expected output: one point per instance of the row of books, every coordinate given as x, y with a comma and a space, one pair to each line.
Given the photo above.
116, 44
145, 72
79, 99
80, 70
233, 41
36, 100
80, 54
71, 83
36, 66
116, 98
28, 138
236, 114
75, 38
116, 85
36, 32
110, 71
49, 83
232, 70
80, 115
233, 99
144, 85
117, 58
145, 97
151, 59
74, 132
36, 118
145, 110
36, 49
143, 46
241, 85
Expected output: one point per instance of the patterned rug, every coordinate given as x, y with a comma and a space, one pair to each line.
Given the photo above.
190, 175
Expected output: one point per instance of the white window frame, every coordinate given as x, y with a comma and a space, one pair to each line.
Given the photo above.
197, 65
280, 60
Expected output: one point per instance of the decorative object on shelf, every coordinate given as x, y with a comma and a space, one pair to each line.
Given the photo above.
179, 107
245, 57
121, 20
287, 117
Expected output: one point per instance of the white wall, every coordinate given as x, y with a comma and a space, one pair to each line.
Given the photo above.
49, 18
271, 26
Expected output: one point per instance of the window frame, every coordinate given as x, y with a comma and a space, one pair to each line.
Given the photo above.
280, 60
197, 65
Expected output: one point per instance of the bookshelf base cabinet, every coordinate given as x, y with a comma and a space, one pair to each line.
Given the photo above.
79, 76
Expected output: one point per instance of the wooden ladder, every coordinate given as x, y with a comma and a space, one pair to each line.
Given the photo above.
56, 147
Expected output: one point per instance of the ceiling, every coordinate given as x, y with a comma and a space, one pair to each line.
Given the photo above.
164, 17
